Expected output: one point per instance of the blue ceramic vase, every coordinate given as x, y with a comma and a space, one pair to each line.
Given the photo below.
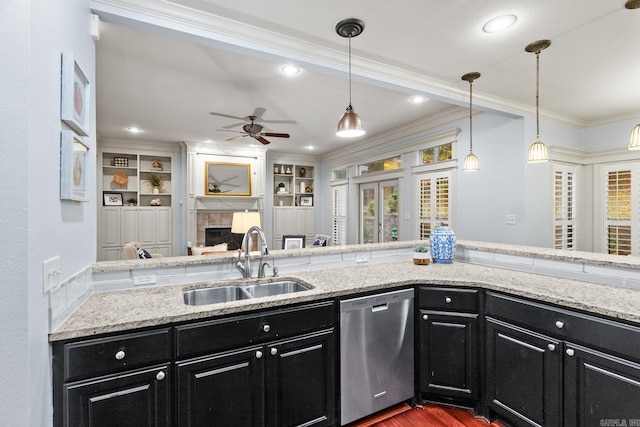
443, 244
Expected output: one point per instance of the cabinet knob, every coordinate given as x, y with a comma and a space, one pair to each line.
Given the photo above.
160, 376
274, 351
120, 355
425, 317
570, 352
551, 347
447, 300
258, 354
266, 328
559, 324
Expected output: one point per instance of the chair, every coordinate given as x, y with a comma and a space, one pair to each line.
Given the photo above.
130, 251
293, 241
322, 240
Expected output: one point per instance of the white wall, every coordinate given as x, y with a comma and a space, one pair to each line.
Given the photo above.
36, 225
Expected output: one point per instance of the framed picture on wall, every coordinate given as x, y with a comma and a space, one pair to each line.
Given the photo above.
74, 167
227, 179
75, 95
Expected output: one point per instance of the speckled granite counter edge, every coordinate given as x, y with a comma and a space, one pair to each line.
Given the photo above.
118, 311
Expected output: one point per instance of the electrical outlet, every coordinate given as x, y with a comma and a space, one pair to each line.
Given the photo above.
50, 274
511, 219
145, 279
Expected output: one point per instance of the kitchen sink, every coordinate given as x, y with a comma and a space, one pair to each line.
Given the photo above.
214, 295
241, 292
275, 288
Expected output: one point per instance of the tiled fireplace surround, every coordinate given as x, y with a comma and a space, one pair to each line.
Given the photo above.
211, 219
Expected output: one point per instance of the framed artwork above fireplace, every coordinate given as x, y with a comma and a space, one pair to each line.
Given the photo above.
227, 179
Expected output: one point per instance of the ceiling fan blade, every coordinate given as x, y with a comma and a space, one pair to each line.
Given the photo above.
258, 112
275, 135
261, 139
227, 116
236, 137
233, 125
287, 122
227, 130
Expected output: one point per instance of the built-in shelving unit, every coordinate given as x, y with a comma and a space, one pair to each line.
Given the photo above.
132, 208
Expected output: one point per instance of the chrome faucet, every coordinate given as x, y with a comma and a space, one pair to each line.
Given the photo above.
245, 267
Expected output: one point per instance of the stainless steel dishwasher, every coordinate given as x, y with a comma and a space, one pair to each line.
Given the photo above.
376, 353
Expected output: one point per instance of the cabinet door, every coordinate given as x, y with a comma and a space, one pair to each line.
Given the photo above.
129, 230
222, 390
163, 226
523, 375
139, 398
599, 387
146, 226
301, 381
308, 219
449, 355
110, 226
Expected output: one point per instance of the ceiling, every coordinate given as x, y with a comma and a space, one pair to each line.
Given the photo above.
226, 58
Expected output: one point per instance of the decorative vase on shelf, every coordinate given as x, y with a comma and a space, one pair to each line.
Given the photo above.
303, 172
155, 190
443, 244
302, 186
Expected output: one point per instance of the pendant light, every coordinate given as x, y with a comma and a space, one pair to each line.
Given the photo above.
538, 151
471, 161
634, 141
350, 124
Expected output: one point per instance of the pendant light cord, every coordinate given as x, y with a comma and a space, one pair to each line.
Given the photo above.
470, 120
538, 95
350, 107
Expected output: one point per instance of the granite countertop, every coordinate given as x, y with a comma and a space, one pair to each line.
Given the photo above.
116, 311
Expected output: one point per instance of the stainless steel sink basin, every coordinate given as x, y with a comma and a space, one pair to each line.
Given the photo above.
275, 288
214, 295
241, 292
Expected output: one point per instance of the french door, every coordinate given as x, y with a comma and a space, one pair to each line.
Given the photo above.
379, 211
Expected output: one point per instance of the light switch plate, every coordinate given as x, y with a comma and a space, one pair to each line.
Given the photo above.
50, 274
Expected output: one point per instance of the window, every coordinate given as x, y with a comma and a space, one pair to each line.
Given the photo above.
338, 174
434, 201
621, 209
564, 203
339, 214
388, 164
440, 153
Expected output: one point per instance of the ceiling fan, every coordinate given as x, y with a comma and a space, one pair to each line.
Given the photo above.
253, 129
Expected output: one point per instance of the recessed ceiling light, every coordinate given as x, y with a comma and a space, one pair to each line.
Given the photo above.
290, 70
207, 140
417, 99
310, 147
134, 129
499, 23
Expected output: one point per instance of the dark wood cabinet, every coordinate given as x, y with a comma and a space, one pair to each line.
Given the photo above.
523, 375
599, 388
138, 398
119, 380
551, 366
286, 376
448, 344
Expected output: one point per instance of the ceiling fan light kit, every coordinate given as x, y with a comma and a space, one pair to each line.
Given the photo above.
538, 152
471, 161
350, 124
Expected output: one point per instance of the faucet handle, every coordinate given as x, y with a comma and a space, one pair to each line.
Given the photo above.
275, 271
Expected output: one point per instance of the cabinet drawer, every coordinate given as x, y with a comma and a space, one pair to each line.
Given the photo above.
239, 331
450, 299
117, 353
613, 337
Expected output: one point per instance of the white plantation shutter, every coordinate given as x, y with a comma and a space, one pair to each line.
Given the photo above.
434, 201
564, 202
339, 214
622, 202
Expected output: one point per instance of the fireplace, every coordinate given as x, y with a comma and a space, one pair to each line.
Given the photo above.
215, 236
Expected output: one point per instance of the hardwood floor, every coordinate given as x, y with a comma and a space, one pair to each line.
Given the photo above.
424, 416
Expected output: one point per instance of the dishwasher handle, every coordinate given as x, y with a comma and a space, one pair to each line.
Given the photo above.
380, 307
